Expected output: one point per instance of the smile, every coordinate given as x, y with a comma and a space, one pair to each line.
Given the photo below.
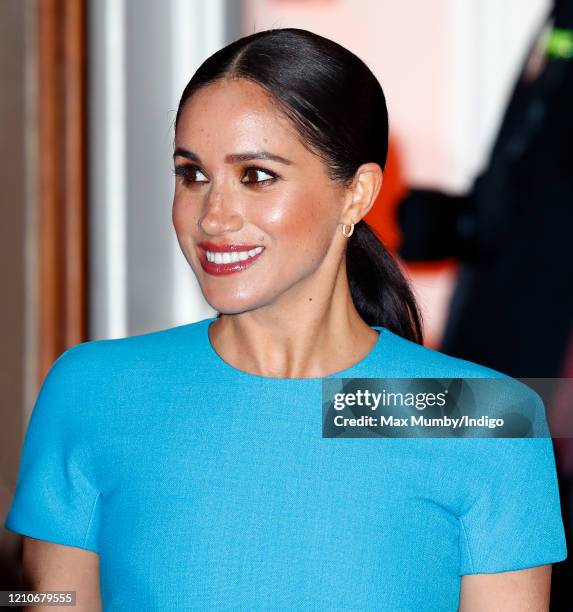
227, 259
232, 256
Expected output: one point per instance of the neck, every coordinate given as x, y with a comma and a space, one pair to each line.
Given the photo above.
307, 333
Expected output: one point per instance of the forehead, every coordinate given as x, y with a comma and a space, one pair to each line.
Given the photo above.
234, 113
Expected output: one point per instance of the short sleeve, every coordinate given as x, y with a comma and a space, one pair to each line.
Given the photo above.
56, 498
513, 519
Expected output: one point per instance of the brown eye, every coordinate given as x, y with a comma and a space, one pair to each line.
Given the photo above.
257, 176
189, 174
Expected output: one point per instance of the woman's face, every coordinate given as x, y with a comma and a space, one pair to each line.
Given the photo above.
244, 180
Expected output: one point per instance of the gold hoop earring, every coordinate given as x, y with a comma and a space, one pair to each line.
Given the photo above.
344, 226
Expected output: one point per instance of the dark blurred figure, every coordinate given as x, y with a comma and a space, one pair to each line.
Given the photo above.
512, 308
513, 305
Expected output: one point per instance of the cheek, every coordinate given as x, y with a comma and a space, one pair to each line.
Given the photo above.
301, 226
182, 215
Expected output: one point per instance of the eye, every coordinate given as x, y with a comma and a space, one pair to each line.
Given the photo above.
257, 172
188, 174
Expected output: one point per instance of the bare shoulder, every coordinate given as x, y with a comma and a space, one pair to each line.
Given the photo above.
526, 590
54, 567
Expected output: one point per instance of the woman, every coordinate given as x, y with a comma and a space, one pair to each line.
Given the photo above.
186, 468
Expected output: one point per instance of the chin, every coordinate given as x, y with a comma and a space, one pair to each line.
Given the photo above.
234, 306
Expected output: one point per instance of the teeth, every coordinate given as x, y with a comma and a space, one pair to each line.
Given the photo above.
232, 256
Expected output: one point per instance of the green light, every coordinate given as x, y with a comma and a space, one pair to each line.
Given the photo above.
560, 44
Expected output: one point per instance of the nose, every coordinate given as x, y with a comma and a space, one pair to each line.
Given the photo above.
220, 216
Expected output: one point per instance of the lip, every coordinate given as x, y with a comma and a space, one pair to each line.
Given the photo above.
227, 268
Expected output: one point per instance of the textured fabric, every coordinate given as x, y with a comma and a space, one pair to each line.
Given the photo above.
204, 487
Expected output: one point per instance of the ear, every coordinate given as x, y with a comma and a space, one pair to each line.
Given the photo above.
362, 193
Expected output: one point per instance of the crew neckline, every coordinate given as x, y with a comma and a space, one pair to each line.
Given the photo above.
349, 372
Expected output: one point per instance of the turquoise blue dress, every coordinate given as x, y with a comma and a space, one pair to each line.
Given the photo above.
203, 487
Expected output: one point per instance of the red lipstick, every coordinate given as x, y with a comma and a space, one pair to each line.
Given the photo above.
224, 259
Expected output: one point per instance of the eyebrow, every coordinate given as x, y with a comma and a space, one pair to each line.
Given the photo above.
235, 157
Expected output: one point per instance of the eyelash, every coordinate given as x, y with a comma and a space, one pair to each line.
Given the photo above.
183, 171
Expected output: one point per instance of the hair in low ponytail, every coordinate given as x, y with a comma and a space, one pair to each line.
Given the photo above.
337, 106
379, 290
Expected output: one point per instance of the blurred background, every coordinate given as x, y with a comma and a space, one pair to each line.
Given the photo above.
477, 201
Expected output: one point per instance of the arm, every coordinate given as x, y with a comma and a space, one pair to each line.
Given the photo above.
525, 590
54, 567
